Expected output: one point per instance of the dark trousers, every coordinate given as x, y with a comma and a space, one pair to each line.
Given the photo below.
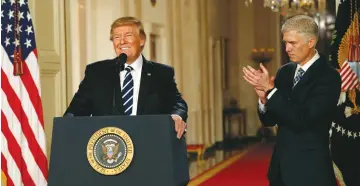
276, 183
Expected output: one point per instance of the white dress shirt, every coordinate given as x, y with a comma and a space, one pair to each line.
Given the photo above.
136, 75
305, 67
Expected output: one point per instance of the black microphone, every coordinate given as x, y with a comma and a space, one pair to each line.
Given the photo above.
120, 62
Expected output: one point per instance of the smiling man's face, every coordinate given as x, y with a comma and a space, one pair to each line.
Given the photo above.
126, 39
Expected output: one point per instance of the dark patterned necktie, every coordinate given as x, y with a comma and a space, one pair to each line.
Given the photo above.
128, 91
298, 76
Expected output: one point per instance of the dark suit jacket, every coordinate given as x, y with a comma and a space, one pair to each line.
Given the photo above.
99, 93
304, 115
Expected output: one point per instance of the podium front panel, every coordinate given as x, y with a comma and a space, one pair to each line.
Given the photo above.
159, 158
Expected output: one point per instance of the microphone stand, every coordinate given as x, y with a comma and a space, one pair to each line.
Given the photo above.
119, 66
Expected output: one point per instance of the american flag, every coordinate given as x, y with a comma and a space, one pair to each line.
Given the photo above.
23, 145
348, 77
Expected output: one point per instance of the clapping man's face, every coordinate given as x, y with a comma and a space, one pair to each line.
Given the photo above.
299, 46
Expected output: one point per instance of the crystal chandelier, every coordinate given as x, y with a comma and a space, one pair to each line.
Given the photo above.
293, 7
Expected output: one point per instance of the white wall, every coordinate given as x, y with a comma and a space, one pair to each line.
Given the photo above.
48, 20
154, 14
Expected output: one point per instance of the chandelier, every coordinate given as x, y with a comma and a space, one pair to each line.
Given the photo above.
293, 7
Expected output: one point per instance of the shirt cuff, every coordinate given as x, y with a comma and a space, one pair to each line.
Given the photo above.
271, 93
176, 116
262, 107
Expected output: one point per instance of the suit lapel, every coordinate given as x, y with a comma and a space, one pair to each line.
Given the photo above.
292, 74
284, 80
118, 95
145, 81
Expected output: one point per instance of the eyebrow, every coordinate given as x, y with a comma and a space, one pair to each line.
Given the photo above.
291, 41
124, 33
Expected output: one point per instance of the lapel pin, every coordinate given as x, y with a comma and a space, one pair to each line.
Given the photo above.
149, 74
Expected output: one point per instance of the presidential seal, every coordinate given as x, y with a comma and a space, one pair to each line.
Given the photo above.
110, 151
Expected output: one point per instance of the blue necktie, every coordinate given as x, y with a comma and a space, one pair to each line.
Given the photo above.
128, 91
298, 76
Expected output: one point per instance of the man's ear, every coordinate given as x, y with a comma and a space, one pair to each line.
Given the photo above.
312, 42
142, 41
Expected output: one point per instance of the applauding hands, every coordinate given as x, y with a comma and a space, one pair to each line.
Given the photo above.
260, 80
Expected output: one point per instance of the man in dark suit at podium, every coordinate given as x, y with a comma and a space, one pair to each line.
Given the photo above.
129, 84
302, 102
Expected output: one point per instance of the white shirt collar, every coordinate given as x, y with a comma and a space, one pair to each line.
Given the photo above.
310, 62
137, 64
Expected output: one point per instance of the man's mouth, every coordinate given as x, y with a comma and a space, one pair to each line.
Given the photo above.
124, 48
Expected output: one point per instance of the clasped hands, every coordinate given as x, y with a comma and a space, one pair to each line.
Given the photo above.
260, 80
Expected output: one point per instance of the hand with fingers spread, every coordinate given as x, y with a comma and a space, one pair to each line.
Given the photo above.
259, 79
180, 125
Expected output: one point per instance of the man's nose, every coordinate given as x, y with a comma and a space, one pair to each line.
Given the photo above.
122, 40
287, 48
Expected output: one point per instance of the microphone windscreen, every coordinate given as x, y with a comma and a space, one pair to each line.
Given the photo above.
122, 58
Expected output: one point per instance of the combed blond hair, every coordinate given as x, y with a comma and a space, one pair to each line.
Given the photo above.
301, 24
128, 21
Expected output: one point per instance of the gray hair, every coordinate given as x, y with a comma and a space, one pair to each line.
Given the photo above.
301, 24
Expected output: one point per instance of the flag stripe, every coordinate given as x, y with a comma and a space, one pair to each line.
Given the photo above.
20, 138
345, 72
15, 151
37, 152
348, 77
345, 68
354, 85
12, 169
35, 53
29, 108
33, 91
349, 80
4, 169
